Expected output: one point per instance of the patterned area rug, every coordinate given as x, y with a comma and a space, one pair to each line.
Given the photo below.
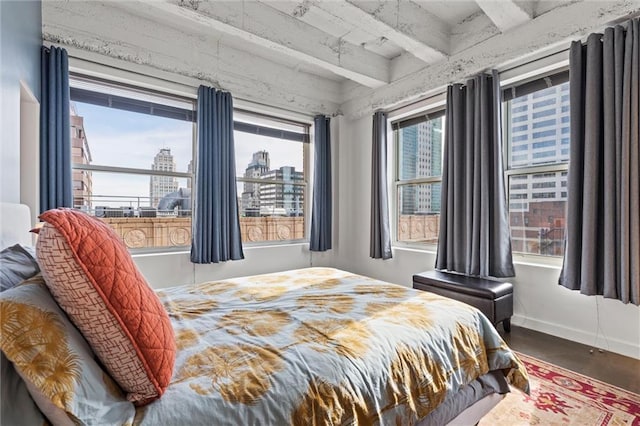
562, 397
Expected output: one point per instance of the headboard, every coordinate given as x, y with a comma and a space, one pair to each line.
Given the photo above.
15, 223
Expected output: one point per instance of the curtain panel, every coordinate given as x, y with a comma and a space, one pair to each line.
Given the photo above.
56, 185
321, 209
380, 245
602, 252
216, 224
474, 236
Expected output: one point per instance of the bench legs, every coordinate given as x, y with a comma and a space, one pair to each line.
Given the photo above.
506, 324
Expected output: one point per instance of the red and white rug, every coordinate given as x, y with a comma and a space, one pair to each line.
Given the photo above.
562, 397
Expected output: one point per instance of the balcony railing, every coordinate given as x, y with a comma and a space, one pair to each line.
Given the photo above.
119, 206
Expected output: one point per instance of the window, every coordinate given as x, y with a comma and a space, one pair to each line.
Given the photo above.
418, 181
132, 161
538, 226
271, 168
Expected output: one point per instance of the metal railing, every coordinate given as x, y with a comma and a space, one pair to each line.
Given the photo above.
114, 206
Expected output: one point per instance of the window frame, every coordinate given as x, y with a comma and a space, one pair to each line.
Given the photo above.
77, 77
306, 164
436, 106
510, 171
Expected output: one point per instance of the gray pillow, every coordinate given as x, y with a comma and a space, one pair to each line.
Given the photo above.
16, 405
17, 263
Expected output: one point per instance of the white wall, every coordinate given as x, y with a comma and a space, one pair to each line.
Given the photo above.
171, 269
540, 303
20, 41
29, 151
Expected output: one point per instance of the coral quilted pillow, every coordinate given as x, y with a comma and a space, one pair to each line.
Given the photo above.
94, 280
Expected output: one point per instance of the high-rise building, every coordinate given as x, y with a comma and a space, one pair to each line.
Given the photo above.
540, 133
80, 154
286, 197
159, 186
421, 148
409, 149
259, 165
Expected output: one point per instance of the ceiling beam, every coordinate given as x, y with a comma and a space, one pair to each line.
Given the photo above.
550, 30
263, 26
404, 23
505, 14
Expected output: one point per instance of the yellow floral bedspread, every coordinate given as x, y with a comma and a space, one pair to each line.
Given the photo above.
320, 346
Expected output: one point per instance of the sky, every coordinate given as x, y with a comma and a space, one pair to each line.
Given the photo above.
128, 139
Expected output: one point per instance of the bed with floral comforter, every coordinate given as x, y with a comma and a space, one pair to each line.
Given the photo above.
320, 346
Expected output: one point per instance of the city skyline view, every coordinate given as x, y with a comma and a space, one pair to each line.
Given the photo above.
129, 139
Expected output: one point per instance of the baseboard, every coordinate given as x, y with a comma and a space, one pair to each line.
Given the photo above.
580, 336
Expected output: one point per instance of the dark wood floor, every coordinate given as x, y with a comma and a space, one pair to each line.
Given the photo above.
608, 367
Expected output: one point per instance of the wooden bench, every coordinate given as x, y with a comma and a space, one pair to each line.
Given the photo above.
493, 298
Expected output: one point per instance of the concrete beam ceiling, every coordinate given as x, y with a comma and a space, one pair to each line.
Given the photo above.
325, 55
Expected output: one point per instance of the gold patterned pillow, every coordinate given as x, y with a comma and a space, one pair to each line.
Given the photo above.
55, 361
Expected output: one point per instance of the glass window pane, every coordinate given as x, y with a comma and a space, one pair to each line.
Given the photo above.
419, 212
259, 156
272, 212
537, 213
539, 127
113, 137
125, 203
420, 149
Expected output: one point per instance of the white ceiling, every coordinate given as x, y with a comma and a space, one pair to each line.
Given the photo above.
344, 47
343, 39
451, 11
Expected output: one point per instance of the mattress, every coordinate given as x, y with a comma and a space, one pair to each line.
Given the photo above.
322, 346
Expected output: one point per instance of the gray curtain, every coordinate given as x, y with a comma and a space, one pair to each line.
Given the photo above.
216, 225
602, 254
56, 185
474, 230
321, 209
380, 246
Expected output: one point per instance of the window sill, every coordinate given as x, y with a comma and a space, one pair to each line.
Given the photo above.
246, 246
269, 244
156, 253
550, 262
421, 248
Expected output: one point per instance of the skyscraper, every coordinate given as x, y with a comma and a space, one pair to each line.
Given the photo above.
269, 198
190, 171
409, 149
259, 165
421, 156
540, 133
160, 186
286, 196
81, 154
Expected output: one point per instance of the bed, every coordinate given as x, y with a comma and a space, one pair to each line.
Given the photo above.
320, 346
